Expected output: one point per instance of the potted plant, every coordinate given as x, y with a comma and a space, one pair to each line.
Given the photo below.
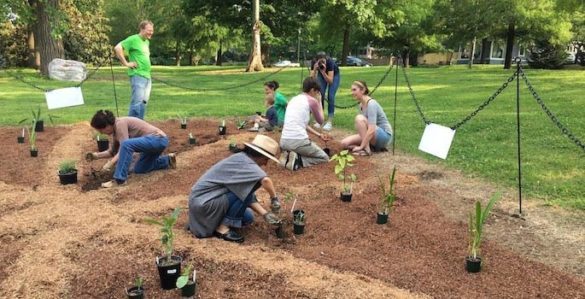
39, 124
169, 265
67, 172
222, 129
192, 139
475, 229
32, 140
103, 143
344, 160
20, 139
388, 198
187, 285
137, 291
299, 222
233, 146
241, 124
183, 121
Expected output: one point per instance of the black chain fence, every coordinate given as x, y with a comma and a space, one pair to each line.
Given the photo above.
549, 113
220, 88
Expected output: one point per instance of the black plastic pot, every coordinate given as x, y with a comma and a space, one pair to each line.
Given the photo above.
103, 145
135, 293
34, 153
472, 265
183, 126
188, 291
39, 126
382, 218
299, 229
346, 197
327, 151
279, 231
20, 139
68, 178
222, 130
192, 141
233, 148
169, 271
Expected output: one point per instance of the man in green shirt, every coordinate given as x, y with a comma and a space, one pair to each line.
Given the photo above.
137, 48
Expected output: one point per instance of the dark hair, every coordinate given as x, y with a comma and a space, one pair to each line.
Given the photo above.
102, 119
321, 55
272, 84
362, 84
310, 83
252, 152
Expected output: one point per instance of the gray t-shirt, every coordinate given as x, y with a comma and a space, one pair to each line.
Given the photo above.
376, 116
208, 201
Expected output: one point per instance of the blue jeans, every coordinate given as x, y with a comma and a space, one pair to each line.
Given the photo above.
238, 213
331, 94
150, 147
140, 94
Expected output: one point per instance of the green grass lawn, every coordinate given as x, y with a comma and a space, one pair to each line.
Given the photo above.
553, 166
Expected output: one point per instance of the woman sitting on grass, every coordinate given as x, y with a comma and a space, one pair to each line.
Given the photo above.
225, 195
131, 135
373, 129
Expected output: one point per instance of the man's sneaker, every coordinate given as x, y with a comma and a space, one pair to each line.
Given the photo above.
113, 183
316, 125
173, 161
328, 126
293, 161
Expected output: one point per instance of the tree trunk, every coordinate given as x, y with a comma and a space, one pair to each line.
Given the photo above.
219, 53
345, 48
509, 45
34, 58
266, 54
48, 47
406, 58
255, 60
482, 58
178, 55
472, 54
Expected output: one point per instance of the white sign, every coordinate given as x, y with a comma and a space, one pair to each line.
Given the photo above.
64, 97
436, 140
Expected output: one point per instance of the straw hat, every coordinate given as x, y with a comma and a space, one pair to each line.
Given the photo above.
265, 145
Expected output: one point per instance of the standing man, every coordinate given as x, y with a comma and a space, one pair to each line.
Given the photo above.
137, 48
326, 71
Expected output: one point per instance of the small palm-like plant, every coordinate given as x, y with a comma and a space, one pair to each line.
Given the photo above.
100, 136
167, 235
299, 218
388, 196
344, 160
241, 124
32, 136
476, 223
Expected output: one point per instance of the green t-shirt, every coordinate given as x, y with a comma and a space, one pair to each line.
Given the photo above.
138, 51
280, 106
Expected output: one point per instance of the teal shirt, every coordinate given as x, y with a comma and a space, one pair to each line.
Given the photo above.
280, 106
138, 51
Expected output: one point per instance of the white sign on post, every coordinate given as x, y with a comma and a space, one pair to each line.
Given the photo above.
64, 97
436, 140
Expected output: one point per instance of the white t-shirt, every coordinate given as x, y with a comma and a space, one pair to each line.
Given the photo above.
297, 116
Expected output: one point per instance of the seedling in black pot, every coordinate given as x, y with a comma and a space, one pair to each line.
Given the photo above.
299, 222
233, 146
222, 130
187, 286
192, 139
388, 198
32, 141
344, 160
137, 291
103, 143
183, 121
476, 222
67, 172
169, 265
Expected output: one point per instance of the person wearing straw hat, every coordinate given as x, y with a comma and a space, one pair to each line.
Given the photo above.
224, 196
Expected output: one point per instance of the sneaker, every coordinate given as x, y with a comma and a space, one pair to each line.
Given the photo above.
112, 183
328, 126
291, 161
316, 125
173, 161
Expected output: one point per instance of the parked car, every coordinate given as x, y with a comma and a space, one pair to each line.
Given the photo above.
286, 63
354, 61
570, 58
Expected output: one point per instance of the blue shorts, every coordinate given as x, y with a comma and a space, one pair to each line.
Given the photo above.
382, 139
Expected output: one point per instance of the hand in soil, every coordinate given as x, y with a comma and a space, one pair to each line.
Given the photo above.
90, 156
275, 205
271, 218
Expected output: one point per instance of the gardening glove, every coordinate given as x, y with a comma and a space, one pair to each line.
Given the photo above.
270, 218
89, 156
108, 166
274, 205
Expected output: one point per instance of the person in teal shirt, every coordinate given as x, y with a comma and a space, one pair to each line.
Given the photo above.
137, 47
280, 102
